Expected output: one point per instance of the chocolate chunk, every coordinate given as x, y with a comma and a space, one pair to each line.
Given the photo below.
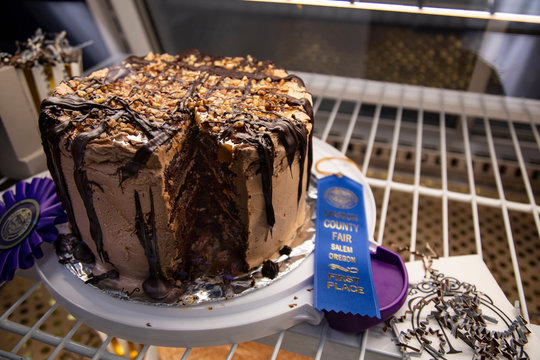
66, 243
270, 269
69, 244
286, 250
84, 254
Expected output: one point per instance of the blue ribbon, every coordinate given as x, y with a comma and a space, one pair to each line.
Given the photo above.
343, 276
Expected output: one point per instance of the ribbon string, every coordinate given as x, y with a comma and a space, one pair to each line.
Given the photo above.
329, 158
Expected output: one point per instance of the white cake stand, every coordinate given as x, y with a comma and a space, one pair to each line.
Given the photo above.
262, 312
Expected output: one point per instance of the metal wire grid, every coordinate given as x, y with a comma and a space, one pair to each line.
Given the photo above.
428, 140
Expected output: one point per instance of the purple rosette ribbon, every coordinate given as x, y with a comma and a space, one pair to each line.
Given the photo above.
28, 218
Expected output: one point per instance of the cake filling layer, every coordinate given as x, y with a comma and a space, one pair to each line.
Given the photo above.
209, 229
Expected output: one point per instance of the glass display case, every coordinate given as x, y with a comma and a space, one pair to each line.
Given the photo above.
437, 102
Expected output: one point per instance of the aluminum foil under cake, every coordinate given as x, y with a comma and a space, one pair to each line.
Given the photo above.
205, 289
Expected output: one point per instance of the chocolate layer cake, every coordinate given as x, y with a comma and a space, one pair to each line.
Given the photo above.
174, 167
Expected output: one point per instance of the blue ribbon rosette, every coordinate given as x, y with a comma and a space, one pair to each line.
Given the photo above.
28, 218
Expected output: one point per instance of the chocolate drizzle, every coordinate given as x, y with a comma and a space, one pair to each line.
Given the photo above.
84, 187
141, 156
265, 148
51, 135
116, 73
155, 285
70, 244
